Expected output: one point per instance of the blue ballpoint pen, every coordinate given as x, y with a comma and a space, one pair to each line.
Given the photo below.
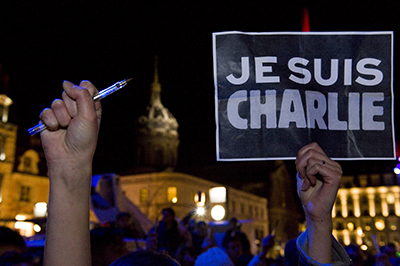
101, 95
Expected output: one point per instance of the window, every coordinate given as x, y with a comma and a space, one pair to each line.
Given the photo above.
172, 194
233, 206
2, 148
251, 211
242, 208
25, 193
143, 195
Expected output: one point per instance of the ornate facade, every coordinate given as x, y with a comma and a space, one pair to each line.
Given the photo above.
367, 210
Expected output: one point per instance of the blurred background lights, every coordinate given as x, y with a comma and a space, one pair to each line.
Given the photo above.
217, 194
380, 225
200, 211
37, 228
218, 212
396, 170
20, 217
40, 209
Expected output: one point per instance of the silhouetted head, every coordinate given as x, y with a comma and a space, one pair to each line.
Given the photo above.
144, 258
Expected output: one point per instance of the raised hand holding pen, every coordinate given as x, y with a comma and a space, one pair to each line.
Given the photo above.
72, 123
69, 143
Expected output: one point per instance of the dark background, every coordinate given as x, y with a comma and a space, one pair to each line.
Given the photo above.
44, 43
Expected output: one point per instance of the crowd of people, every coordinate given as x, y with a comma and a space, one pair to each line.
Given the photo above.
69, 144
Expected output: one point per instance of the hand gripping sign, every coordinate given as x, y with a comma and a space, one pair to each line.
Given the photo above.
276, 92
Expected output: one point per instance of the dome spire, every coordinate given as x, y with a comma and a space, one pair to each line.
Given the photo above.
155, 86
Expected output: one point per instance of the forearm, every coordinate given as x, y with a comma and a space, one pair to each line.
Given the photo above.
319, 234
67, 234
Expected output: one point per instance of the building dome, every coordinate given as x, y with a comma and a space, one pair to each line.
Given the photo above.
157, 133
158, 119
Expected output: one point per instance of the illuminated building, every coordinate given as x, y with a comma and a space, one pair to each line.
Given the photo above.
152, 192
21, 184
367, 210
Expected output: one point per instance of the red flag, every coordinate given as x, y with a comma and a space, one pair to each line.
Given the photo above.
305, 20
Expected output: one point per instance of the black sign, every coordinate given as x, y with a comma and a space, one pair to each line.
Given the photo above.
276, 92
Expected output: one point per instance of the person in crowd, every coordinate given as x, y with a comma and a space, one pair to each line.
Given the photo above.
198, 236
11, 241
234, 230
168, 232
107, 245
214, 256
69, 144
355, 253
145, 258
128, 229
388, 256
13, 249
291, 257
260, 259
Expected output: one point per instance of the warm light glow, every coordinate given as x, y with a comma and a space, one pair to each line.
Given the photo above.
371, 204
217, 195
172, 194
200, 211
367, 228
356, 200
24, 228
37, 228
343, 201
380, 225
390, 198
20, 217
364, 247
350, 226
218, 212
40, 209
384, 206
393, 227
360, 231
346, 237
200, 199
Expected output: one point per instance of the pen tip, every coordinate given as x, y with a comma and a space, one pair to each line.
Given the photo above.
127, 80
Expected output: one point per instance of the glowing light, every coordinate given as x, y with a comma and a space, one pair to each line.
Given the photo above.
20, 217
380, 225
37, 228
367, 228
218, 212
346, 237
396, 170
200, 211
364, 247
40, 209
174, 200
360, 231
217, 194
350, 226
393, 227
24, 228
390, 198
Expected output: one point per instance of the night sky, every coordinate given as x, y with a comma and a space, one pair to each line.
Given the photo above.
44, 43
